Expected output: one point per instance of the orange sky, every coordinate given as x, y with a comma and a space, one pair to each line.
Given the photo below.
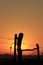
21, 16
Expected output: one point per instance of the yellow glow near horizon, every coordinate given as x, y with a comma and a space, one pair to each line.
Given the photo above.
23, 46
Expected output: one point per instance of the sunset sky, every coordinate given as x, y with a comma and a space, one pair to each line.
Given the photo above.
21, 16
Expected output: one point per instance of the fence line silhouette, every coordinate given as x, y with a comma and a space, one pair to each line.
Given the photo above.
18, 42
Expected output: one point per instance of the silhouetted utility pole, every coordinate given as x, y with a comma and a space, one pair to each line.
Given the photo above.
19, 46
38, 54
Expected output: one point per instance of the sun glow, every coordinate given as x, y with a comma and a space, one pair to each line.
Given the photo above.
23, 46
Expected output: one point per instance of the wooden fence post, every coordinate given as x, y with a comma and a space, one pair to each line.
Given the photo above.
19, 46
38, 54
15, 38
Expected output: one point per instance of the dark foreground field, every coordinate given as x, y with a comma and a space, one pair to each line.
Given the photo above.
27, 60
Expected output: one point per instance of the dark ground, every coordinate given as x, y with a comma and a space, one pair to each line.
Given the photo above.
29, 60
